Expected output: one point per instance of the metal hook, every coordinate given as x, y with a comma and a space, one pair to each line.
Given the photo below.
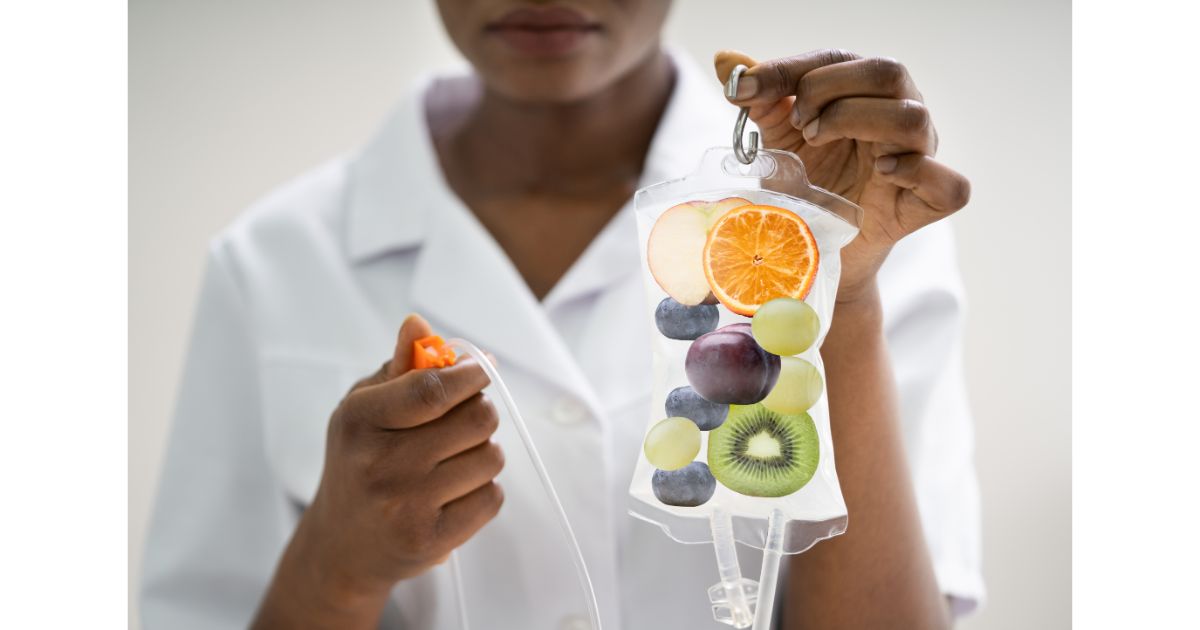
743, 155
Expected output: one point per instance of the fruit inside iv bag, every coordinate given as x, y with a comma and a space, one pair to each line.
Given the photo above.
785, 326
740, 264
677, 243
747, 395
797, 389
764, 453
672, 443
727, 366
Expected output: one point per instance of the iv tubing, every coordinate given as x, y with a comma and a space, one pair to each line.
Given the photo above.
727, 566
460, 595
585, 581
769, 576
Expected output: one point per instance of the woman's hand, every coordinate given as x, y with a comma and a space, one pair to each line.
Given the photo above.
408, 477
863, 132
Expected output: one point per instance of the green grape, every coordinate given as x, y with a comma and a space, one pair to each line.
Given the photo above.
672, 443
785, 326
798, 388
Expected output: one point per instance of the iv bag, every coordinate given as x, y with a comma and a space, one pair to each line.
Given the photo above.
736, 257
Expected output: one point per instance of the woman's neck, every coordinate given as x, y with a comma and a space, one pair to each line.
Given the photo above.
499, 147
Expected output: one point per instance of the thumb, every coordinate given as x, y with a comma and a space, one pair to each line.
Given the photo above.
726, 60
413, 328
770, 81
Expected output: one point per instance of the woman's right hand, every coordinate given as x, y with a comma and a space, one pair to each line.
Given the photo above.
409, 476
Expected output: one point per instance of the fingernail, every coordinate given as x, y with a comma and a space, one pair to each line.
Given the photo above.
747, 87
795, 118
810, 130
886, 164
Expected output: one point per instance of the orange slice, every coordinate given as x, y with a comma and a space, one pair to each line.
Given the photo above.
755, 254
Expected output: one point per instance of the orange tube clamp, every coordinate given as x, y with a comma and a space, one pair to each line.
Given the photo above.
432, 352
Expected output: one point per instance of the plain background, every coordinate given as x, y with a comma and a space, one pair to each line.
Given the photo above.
228, 100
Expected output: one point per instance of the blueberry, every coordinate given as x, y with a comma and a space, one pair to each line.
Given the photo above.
685, 402
689, 486
676, 321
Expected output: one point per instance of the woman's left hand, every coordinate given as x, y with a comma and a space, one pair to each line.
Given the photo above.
862, 130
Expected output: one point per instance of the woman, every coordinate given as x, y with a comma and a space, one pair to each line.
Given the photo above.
496, 205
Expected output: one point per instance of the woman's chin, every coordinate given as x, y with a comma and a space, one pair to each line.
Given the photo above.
548, 84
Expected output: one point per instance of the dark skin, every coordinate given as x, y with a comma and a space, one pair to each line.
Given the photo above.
541, 197
872, 142
409, 472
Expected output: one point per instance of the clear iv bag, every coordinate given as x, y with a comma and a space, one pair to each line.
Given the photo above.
717, 247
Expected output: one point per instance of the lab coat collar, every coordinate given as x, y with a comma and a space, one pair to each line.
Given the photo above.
396, 178
466, 285
693, 111
610, 257
463, 281
393, 183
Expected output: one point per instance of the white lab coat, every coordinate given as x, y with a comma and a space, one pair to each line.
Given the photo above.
303, 294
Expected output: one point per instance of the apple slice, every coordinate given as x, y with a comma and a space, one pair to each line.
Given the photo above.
675, 249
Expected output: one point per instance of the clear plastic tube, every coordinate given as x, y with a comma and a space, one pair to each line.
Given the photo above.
732, 597
460, 596
769, 576
514, 414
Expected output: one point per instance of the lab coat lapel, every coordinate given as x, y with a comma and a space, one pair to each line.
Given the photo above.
464, 283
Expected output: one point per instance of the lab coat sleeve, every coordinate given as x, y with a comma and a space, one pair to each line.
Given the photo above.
220, 520
924, 318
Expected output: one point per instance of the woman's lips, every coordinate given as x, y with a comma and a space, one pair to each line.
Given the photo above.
548, 31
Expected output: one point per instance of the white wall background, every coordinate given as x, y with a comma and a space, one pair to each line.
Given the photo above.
228, 99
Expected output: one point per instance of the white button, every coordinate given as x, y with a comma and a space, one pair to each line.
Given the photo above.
568, 410
575, 622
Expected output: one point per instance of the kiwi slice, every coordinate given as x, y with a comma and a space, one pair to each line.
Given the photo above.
763, 453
